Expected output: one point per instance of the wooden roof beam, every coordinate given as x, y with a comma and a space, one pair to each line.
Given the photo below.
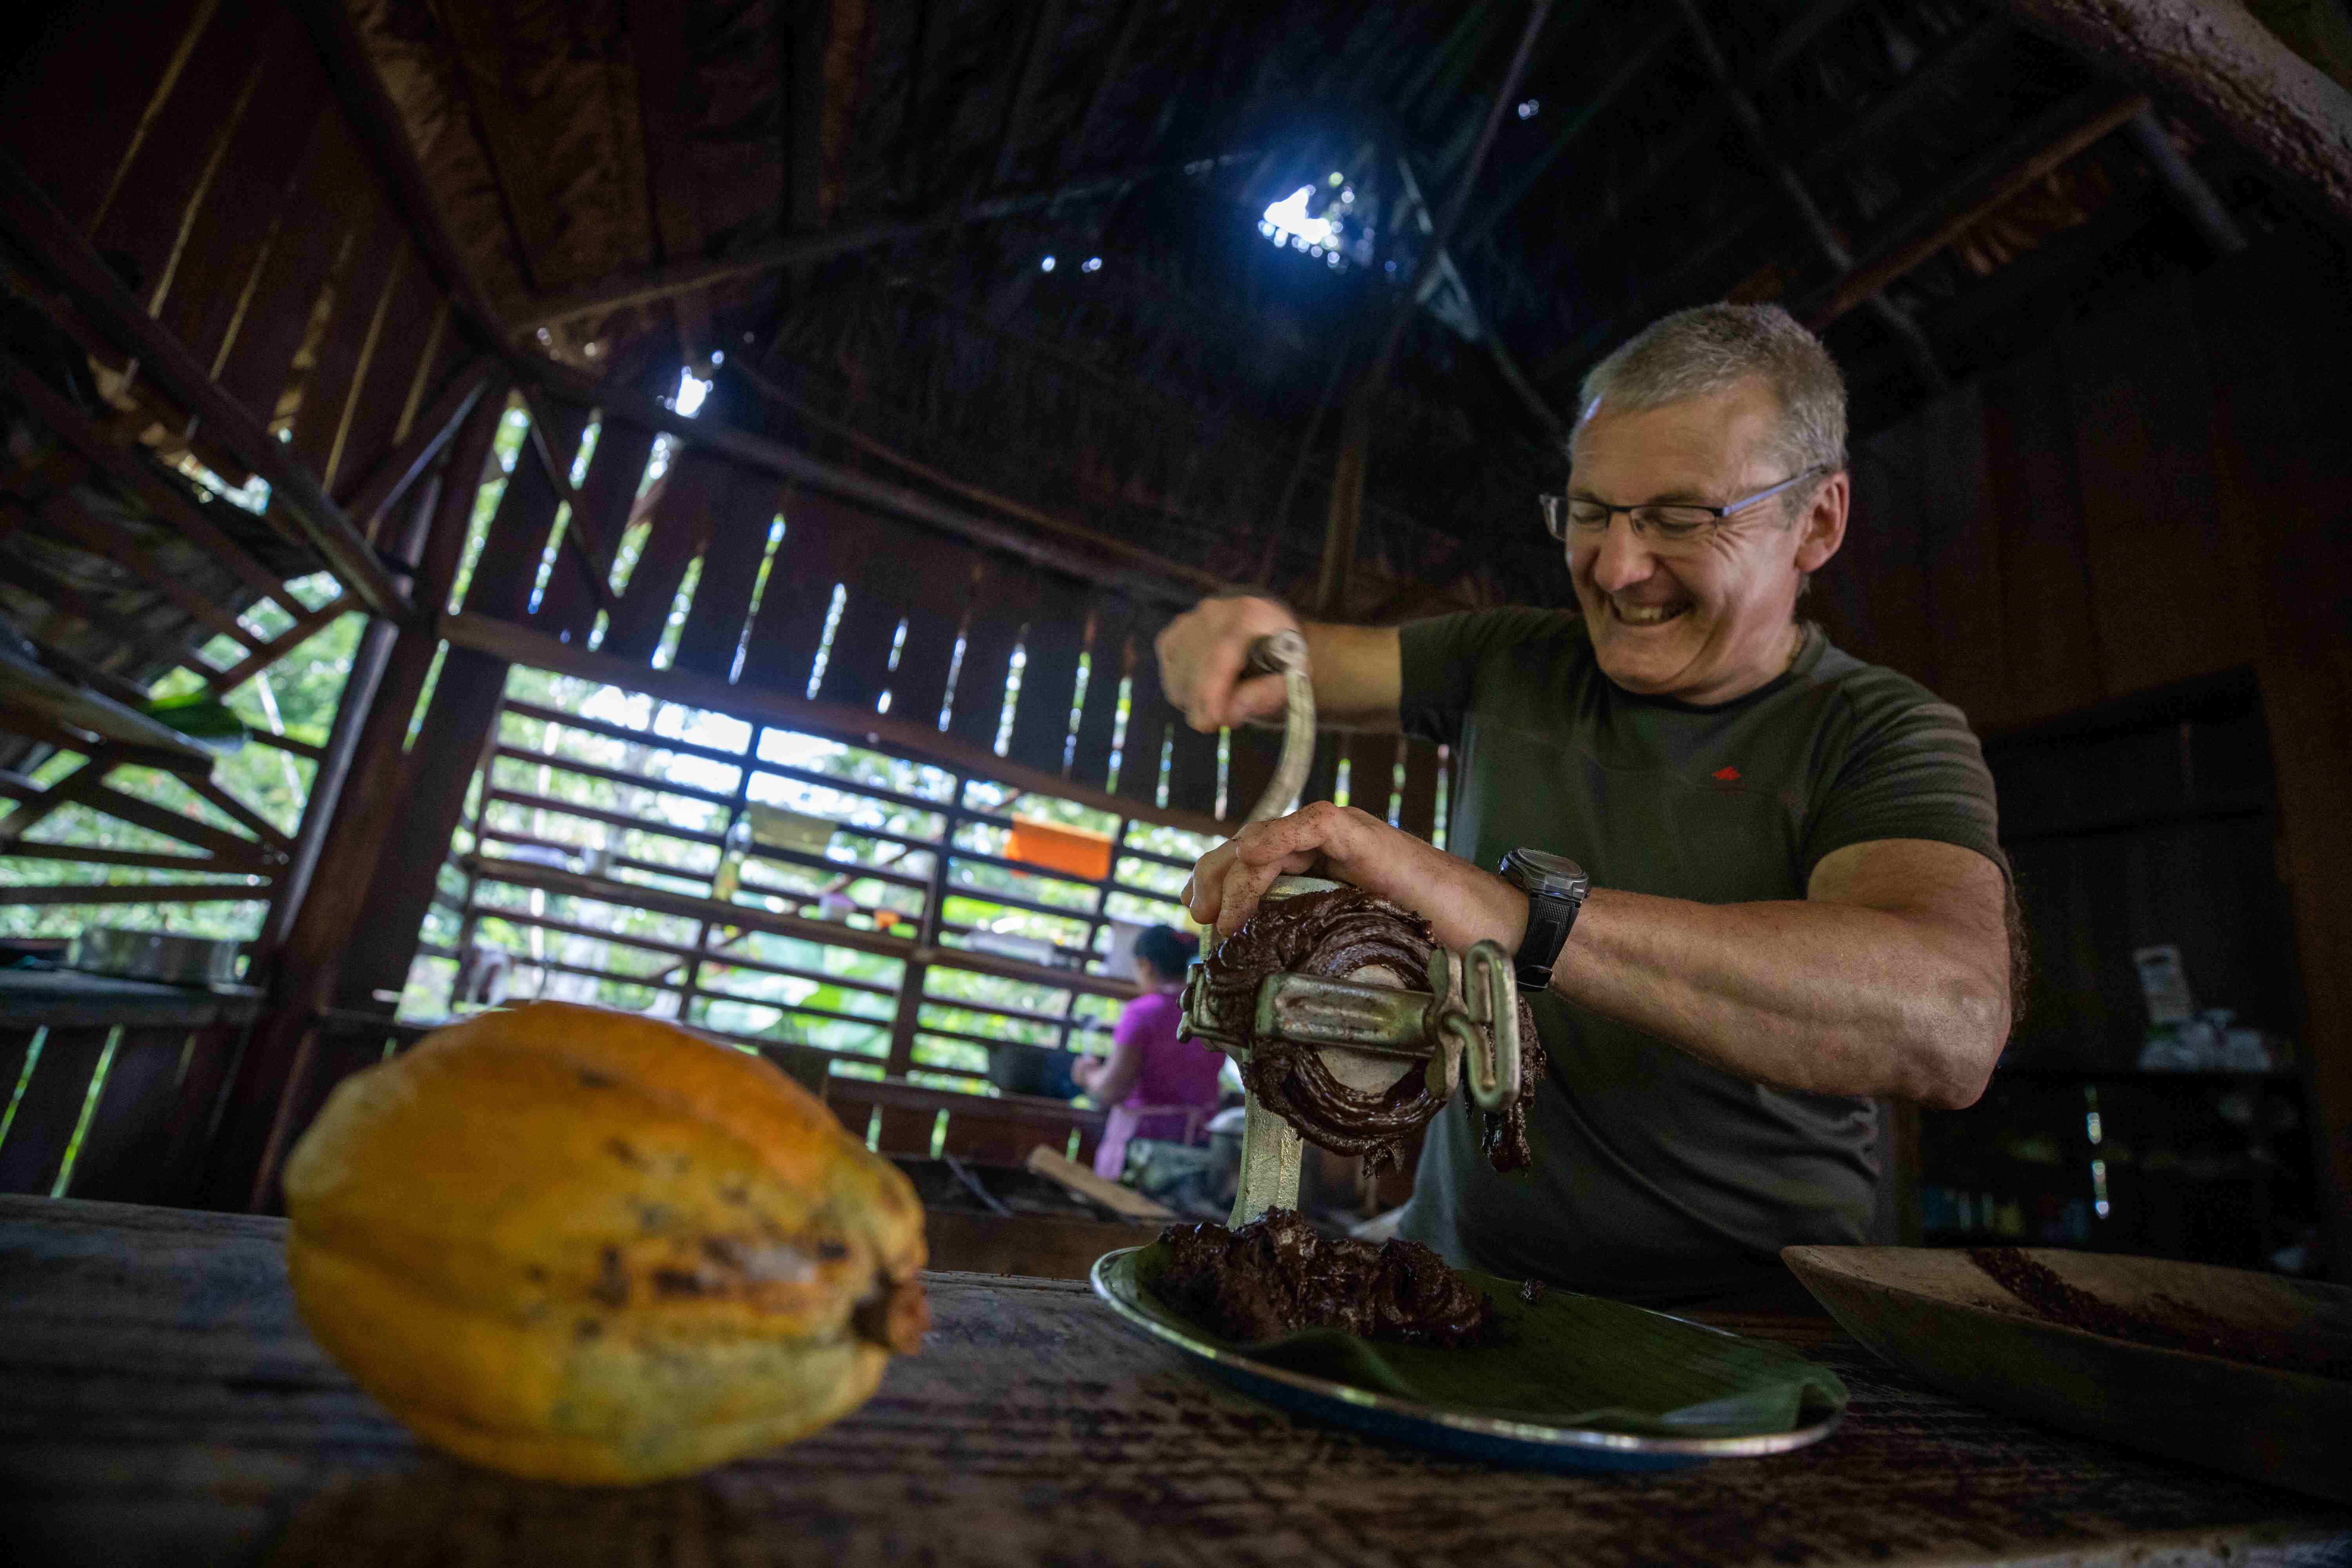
60, 251
2289, 114
1779, 54
664, 282
532, 211
1815, 223
1530, 174
1941, 216
657, 49
1045, 32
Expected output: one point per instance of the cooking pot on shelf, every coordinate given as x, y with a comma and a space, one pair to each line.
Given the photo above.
1020, 1068
165, 956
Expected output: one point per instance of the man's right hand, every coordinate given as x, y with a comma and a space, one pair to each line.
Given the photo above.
1202, 654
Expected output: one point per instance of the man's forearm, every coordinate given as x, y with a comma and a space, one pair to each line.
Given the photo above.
1826, 997
1890, 979
1834, 998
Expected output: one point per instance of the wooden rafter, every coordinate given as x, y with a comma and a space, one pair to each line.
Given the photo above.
657, 45
1943, 215
63, 253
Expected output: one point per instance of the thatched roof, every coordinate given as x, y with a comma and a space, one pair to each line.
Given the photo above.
597, 152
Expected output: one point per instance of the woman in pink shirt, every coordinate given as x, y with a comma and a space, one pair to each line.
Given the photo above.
1148, 1067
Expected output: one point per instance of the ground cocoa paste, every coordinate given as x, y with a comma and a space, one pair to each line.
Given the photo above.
2169, 1323
1277, 1274
1332, 935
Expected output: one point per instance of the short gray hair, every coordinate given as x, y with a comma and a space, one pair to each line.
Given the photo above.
1711, 347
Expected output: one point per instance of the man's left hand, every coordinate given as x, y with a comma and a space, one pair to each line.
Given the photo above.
1461, 902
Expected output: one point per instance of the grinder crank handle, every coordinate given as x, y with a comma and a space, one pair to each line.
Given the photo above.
1285, 654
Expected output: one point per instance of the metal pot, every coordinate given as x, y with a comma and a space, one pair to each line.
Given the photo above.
159, 955
1020, 1068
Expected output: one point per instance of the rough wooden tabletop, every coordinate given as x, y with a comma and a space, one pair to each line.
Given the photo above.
161, 1404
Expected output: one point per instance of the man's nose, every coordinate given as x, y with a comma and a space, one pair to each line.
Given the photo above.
1623, 557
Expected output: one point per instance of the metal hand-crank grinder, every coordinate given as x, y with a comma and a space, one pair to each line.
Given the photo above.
1370, 1028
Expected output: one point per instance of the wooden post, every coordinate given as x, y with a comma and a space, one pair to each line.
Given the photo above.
239, 1168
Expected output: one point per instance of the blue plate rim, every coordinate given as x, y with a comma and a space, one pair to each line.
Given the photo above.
1486, 1427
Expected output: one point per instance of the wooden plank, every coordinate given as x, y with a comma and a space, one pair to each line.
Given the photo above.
780, 654
1053, 1163
1417, 802
347, 349
2165, 588
1251, 756
1372, 772
608, 490
1051, 644
911, 736
939, 584
99, 70
1963, 557
680, 528
242, 203
49, 1109
1885, 557
1192, 768
134, 1117
2051, 661
519, 532
1000, 601
413, 351
874, 576
319, 218
1112, 618
2280, 386
164, 177
1147, 713
743, 512
177, 1160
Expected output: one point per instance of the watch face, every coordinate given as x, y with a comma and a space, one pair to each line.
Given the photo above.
1542, 873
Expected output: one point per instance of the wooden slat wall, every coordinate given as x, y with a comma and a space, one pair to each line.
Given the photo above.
2157, 497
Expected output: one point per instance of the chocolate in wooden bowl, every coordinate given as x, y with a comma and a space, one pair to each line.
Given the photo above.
1940, 1315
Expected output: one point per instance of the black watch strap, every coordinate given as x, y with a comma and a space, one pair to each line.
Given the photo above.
1555, 887
1549, 920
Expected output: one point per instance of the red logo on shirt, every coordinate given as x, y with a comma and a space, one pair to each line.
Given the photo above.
1726, 775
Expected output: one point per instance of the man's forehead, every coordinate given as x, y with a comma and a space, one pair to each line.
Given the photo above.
1707, 435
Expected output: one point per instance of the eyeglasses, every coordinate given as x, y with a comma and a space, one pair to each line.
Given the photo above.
1664, 521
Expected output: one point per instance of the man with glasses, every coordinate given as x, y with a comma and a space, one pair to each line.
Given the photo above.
1751, 883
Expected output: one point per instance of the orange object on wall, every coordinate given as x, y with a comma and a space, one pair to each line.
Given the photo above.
1054, 847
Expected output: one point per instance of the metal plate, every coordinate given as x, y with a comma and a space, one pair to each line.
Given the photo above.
1448, 1430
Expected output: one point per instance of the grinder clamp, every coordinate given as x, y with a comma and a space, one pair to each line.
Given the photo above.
1370, 1029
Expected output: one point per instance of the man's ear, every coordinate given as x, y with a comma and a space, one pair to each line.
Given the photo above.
1821, 528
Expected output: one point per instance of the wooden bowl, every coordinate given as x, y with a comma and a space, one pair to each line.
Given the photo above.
1936, 1313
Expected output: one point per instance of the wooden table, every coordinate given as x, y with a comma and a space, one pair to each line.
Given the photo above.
161, 1405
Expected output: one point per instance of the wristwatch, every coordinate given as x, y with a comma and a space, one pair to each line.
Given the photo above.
1555, 886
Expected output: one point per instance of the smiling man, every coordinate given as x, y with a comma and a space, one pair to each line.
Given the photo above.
1751, 881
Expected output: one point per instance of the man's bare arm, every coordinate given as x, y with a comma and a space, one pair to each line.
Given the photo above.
1890, 978
1358, 671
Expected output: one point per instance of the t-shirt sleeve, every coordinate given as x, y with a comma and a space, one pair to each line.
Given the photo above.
1911, 768
1439, 660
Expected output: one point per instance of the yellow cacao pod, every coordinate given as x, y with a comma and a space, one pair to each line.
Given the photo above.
580, 1246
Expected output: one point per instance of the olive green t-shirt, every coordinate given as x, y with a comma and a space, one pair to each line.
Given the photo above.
1658, 1177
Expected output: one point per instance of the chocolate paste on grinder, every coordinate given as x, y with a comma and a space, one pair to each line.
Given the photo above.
1332, 935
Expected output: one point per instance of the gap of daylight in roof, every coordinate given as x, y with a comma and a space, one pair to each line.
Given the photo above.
1335, 235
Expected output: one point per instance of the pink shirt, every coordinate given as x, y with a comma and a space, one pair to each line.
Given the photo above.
1175, 1072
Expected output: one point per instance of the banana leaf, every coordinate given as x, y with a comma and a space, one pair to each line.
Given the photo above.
1563, 1360
202, 718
